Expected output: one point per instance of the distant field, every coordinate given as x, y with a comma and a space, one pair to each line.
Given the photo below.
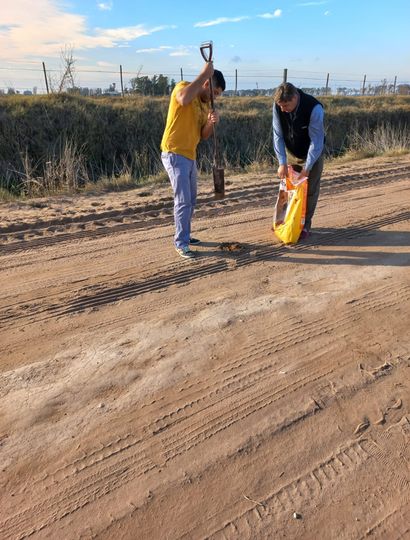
48, 143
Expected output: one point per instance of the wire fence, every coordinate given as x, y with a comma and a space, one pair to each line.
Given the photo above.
39, 79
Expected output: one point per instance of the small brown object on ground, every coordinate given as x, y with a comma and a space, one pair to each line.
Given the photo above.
231, 246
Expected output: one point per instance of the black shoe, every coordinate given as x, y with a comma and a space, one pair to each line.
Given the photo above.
194, 241
304, 235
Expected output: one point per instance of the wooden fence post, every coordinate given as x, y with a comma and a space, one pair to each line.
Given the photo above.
45, 77
394, 84
122, 83
327, 84
236, 82
182, 75
285, 75
364, 83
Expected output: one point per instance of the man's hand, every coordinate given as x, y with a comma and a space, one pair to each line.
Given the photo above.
303, 174
213, 117
282, 171
207, 71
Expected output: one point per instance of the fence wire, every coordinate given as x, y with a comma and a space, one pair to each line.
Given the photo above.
40, 80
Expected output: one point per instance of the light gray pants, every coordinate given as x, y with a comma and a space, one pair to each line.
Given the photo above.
182, 173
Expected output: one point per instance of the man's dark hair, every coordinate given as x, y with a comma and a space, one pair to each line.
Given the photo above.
218, 80
285, 92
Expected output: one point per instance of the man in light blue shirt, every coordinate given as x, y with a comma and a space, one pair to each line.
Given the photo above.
298, 130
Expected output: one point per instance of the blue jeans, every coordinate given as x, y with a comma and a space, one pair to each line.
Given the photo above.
183, 176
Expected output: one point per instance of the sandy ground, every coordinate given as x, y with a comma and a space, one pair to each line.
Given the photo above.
256, 393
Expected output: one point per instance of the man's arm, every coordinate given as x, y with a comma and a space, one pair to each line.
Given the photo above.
279, 144
317, 136
192, 90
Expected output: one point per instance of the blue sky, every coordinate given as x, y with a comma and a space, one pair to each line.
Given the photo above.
311, 38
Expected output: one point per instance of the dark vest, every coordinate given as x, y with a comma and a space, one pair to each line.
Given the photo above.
295, 126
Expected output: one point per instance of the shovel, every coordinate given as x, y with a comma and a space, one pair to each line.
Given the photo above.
217, 170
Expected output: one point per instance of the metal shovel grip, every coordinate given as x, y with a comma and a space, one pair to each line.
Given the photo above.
207, 50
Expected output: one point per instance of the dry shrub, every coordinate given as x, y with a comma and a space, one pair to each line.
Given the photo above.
385, 139
65, 170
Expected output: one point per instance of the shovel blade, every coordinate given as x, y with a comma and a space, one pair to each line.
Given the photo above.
219, 182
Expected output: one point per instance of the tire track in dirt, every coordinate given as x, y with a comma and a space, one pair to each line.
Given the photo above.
309, 486
396, 522
143, 220
162, 213
111, 468
169, 277
306, 491
333, 238
255, 365
91, 477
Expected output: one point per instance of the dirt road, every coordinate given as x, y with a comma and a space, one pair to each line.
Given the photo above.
262, 392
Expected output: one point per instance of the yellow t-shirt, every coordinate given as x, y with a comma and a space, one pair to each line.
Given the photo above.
184, 124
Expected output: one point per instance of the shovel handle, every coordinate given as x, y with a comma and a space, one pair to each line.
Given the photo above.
207, 51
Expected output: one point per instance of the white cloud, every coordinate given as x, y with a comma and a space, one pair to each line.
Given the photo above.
127, 33
327, 13
182, 50
277, 13
153, 49
105, 6
220, 20
43, 32
180, 53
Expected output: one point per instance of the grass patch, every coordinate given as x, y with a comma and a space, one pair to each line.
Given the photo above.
7, 196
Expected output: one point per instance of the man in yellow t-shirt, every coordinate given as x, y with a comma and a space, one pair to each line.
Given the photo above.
189, 120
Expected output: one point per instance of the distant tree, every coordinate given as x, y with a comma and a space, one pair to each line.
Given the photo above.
158, 85
141, 85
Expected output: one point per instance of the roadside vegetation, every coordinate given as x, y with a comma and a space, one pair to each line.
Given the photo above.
64, 143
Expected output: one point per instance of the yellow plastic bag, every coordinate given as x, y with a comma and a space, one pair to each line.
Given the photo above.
290, 209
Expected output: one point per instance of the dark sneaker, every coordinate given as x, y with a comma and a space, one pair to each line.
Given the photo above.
304, 235
194, 241
185, 252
